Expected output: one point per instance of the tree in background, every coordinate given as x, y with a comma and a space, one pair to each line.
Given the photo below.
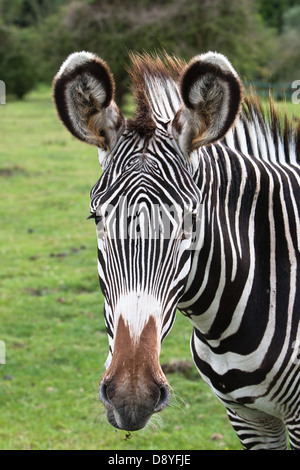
273, 11
17, 67
26, 13
20, 57
260, 37
286, 64
111, 28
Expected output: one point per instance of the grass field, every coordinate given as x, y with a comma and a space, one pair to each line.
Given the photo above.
51, 306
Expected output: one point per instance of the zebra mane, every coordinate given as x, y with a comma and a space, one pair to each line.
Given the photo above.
264, 134
156, 90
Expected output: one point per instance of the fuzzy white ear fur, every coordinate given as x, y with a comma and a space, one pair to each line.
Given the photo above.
83, 92
212, 96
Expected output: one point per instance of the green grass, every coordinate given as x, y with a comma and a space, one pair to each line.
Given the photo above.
51, 306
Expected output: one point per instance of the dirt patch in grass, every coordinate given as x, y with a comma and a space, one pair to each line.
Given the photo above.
186, 368
12, 171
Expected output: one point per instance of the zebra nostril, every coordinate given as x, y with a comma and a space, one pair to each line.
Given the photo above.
104, 396
164, 397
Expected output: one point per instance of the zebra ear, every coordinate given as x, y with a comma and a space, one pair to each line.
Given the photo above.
83, 92
212, 96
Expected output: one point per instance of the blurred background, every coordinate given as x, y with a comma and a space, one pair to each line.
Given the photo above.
260, 37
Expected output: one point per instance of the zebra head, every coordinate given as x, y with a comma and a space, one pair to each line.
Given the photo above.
146, 204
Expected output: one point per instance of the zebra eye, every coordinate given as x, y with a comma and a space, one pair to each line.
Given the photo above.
96, 217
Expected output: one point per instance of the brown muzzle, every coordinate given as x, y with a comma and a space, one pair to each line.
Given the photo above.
134, 386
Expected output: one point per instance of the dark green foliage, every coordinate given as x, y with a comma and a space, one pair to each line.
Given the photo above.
25, 13
181, 27
259, 37
273, 11
17, 67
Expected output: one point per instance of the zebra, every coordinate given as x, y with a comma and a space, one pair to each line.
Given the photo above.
197, 210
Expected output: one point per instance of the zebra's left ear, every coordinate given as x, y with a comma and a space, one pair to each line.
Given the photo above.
212, 96
83, 92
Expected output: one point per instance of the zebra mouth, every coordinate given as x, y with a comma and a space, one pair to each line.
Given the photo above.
129, 425
111, 419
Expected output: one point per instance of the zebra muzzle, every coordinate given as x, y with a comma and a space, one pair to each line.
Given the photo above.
129, 410
134, 386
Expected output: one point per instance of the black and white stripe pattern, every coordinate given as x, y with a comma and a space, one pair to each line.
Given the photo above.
242, 294
143, 249
233, 270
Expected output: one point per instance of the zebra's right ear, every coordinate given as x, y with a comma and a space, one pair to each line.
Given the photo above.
212, 96
83, 92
